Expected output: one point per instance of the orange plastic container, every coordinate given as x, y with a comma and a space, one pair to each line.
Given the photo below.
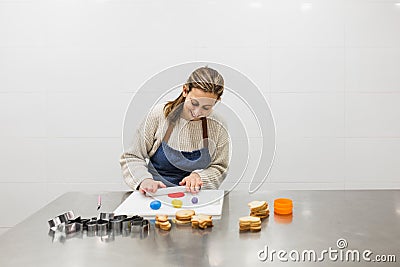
283, 206
283, 203
283, 211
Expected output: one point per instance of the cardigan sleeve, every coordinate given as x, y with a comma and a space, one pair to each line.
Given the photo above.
133, 160
214, 175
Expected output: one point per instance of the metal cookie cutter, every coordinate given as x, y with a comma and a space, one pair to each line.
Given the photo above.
85, 222
60, 219
102, 226
126, 226
76, 225
116, 224
72, 227
106, 216
140, 227
136, 224
91, 227
145, 229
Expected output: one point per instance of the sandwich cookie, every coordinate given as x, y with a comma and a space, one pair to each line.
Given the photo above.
162, 222
184, 216
249, 223
201, 221
259, 209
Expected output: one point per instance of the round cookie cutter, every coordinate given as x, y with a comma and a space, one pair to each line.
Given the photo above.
91, 228
101, 227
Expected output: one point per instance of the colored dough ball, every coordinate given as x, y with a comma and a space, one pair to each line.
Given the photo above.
176, 203
195, 200
155, 205
176, 195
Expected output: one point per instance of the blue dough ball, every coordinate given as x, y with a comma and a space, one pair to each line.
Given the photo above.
195, 200
155, 205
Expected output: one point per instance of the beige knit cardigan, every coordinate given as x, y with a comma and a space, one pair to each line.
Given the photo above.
186, 136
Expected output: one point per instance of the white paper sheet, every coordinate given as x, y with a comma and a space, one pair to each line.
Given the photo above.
210, 203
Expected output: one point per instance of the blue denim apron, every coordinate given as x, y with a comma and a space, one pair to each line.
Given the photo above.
170, 166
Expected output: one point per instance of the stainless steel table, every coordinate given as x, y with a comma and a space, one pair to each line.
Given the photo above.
367, 220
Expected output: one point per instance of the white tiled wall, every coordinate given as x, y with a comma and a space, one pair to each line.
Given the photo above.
307, 69
68, 69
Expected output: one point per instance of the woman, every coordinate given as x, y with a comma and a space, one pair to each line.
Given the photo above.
185, 143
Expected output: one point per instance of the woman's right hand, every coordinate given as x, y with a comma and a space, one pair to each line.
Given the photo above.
151, 186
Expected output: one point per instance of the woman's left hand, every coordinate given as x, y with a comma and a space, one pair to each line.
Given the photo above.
193, 182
